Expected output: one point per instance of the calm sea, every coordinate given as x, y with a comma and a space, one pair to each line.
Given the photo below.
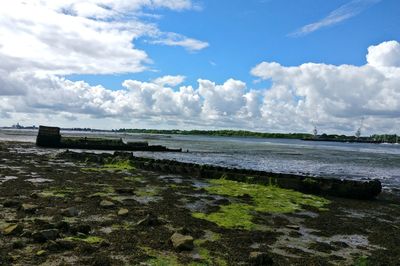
327, 159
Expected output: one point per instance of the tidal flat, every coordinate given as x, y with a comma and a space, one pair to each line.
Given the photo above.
92, 209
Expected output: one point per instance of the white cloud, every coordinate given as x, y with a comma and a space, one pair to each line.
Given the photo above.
174, 39
336, 97
386, 54
344, 12
169, 80
80, 37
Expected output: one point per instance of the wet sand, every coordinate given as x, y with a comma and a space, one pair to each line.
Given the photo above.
55, 210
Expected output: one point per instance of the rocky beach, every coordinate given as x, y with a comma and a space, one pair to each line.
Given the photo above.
66, 208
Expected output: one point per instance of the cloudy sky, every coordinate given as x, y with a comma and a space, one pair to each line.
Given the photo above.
261, 65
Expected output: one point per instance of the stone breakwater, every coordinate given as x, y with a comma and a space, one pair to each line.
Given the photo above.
314, 185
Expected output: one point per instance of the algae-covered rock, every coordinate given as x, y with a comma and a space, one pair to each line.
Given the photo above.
13, 229
182, 242
29, 208
107, 204
123, 212
41, 253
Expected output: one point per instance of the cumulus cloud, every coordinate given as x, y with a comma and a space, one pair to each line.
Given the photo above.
169, 80
386, 54
336, 97
81, 37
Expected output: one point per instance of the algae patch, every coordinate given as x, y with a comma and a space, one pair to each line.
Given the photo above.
90, 239
119, 165
57, 192
268, 199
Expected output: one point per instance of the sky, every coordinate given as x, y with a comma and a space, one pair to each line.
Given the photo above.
260, 65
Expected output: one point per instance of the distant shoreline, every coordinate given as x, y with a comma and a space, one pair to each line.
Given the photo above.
374, 139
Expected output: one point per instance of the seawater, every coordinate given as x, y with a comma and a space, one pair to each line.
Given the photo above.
359, 161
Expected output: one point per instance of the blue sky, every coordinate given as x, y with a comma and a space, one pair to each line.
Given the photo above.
262, 65
243, 33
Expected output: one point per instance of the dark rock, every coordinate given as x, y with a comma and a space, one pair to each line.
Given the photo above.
149, 220
26, 233
65, 244
52, 246
260, 259
29, 208
124, 190
45, 235
43, 224
81, 228
182, 242
18, 244
34, 195
12, 203
63, 226
101, 260
70, 212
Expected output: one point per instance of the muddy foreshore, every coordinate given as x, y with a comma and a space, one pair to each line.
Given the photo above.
103, 210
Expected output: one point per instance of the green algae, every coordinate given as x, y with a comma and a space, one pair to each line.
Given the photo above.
119, 165
230, 216
159, 258
57, 192
137, 178
106, 191
90, 239
267, 199
147, 192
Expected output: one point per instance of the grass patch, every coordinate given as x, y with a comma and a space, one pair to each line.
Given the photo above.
266, 199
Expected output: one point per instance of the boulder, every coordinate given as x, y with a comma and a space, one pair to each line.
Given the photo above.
260, 259
182, 242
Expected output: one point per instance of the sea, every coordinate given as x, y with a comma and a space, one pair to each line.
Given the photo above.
357, 161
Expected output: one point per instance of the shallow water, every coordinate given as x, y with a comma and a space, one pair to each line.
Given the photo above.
327, 159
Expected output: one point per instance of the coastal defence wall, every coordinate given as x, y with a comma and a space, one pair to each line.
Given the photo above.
313, 185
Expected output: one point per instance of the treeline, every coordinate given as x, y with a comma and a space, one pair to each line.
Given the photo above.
388, 138
244, 133
221, 133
